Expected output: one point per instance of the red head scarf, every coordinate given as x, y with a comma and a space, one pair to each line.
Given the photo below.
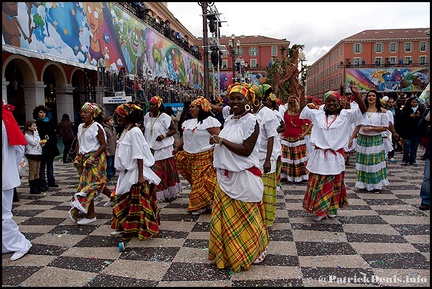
15, 136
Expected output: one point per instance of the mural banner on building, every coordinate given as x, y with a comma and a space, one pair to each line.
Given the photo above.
81, 33
383, 79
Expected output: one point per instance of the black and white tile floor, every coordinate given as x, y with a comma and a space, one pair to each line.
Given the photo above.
379, 240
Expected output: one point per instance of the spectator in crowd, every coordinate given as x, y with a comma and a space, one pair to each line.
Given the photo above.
111, 145
136, 212
395, 114
409, 131
184, 115
67, 135
13, 142
238, 233
50, 150
33, 153
425, 187
326, 190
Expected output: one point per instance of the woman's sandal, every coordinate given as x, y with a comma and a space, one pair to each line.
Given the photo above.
261, 257
71, 217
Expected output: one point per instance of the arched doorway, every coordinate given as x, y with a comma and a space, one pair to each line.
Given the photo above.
50, 95
15, 91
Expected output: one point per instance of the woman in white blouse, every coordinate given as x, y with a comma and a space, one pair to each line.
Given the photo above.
371, 167
326, 190
195, 161
159, 133
136, 213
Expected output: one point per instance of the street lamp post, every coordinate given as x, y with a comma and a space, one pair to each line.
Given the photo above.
204, 6
233, 56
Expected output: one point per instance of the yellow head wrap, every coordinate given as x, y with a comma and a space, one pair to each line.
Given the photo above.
203, 103
242, 88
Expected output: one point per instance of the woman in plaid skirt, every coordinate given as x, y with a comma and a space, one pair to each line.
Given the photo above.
195, 161
238, 233
326, 191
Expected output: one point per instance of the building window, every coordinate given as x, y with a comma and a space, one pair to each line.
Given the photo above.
407, 60
393, 47
357, 48
253, 63
423, 60
408, 47
224, 64
393, 60
274, 51
423, 46
239, 51
253, 51
378, 47
224, 53
357, 61
378, 61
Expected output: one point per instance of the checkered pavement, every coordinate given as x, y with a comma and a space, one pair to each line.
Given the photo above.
378, 240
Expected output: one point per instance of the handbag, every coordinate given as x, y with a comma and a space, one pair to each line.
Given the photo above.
22, 167
74, 145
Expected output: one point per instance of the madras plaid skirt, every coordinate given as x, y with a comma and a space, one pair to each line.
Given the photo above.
269, 197
325, 194
238, 233
169, 186
92, 180
294, 159
371, 167
198, 170
136, 213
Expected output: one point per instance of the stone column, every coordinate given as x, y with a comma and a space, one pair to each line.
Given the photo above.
34, 95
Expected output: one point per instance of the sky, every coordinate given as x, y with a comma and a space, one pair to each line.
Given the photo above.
317, 25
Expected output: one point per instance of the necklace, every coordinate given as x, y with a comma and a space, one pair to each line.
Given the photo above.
125, 130
328, 125
192, 133
261, 106
153, 120
291, 120
238, 116
84, 129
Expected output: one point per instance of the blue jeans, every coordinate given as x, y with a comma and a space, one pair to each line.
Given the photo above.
410, 149
425, 187
110, 167
47, 163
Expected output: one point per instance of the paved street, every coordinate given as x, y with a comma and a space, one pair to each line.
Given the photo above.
378, 240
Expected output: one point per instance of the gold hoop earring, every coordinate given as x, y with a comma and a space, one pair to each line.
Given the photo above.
256, 103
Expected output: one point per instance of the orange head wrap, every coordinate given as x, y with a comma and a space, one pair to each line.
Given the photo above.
203, 103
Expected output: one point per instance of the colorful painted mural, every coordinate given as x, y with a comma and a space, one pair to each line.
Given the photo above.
389, 78
83, 32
